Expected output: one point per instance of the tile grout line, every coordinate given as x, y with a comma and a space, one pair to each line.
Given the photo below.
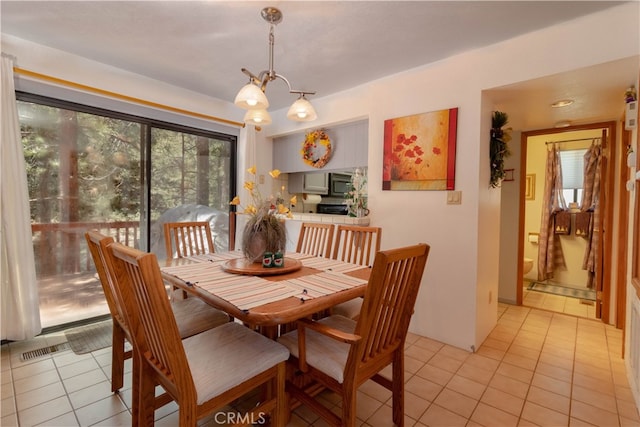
524, 399
73, 410
573, 371
479, 400
521, 326
50, 356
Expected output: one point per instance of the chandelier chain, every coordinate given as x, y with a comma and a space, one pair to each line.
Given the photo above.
252, 96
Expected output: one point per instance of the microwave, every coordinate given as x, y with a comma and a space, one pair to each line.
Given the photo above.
339, 184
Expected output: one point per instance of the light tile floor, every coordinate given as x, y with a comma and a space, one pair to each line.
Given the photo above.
558, 303
536, 368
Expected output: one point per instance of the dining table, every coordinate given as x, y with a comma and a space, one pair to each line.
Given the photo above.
267, 297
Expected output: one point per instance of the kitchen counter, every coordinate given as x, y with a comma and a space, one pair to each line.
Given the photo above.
334, 219
294, 224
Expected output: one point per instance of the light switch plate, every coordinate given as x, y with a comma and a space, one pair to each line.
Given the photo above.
454, 197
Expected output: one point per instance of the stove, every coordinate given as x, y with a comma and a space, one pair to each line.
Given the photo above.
332, 209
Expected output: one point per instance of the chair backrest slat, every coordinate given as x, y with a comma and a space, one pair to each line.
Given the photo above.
388, 303
97, 243
356, 244
184, 239
315, 239
152, 321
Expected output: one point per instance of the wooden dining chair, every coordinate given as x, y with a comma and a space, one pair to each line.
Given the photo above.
341, 354
184, 239
193, 315
201, 373
357, 245
315, 239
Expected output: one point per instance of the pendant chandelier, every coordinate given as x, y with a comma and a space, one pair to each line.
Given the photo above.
251, 96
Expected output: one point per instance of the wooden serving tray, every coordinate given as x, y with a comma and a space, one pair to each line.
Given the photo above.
243, 266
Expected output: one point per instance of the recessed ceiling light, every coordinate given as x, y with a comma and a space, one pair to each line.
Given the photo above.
564, 124
562, 103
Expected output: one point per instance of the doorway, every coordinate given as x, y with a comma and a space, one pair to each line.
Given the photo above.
569, 282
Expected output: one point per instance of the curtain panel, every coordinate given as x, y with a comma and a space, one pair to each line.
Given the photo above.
19, 304
246, 159
591, 202
550, 254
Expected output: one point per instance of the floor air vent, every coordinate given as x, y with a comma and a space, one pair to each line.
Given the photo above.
45, 351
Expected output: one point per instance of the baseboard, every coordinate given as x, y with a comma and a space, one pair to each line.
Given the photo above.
507, 301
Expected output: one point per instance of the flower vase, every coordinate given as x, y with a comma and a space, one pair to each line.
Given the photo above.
263, 234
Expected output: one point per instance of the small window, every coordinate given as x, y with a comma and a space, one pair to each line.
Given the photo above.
572, 195
572, 163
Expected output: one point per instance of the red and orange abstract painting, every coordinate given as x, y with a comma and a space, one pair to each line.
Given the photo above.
420, 151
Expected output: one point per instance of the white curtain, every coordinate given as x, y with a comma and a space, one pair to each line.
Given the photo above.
246, 159
20, 314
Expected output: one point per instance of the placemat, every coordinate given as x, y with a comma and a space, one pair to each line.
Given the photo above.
324, 283
330, 264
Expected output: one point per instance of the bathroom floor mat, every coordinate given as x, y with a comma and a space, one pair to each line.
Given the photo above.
586, 294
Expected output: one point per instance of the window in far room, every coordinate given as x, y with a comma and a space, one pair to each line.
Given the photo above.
572, 163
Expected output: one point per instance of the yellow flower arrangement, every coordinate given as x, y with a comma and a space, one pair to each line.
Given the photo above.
311, 141
259, 205
264, 231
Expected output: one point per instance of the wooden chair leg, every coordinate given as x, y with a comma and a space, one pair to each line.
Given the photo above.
146, 394
117, 357
135, 391
349, 407
187, 416
397, 370
280, 412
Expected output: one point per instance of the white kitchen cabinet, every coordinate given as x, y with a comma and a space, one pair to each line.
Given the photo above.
310, 183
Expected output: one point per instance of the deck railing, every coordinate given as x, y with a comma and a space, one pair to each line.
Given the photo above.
60, 248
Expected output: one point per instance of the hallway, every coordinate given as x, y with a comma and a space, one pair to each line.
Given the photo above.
558, 303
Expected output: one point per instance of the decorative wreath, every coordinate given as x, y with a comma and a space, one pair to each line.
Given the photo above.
311, 141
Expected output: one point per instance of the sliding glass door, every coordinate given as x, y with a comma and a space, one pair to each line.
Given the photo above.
190, 180
93, 169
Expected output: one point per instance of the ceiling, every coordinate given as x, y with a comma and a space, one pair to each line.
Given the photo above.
319, 45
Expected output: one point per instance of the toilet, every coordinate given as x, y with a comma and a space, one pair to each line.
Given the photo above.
527, 265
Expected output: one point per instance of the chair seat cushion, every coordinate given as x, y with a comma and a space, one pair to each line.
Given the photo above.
349, 309
226, 356
323, 353
194, 316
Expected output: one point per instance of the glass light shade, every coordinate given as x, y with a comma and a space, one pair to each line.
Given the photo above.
257, 117
251, 97
302, 111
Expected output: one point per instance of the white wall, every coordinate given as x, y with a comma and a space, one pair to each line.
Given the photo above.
457, 302
509, 222
65, 66
454, 304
